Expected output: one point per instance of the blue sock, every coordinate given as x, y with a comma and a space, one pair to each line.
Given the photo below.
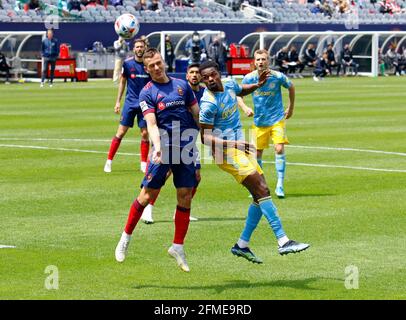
280, 165
254, 215
270, 212
260, 162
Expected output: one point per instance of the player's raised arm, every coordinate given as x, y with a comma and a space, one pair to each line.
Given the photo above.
250, 88
121, 87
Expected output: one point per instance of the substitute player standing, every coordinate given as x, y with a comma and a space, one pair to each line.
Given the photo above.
171, 111
269, 114
221, 129
134, 75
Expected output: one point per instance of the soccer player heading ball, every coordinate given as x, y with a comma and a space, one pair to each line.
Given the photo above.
221, 129
171, 111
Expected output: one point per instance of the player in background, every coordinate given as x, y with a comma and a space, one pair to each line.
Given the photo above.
193, 78
269, 114
221, 129
171, 112
134, 76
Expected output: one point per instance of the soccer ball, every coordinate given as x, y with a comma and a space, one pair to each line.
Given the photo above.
126, 26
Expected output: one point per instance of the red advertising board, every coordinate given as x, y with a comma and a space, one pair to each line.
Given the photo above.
64, 68
240, 66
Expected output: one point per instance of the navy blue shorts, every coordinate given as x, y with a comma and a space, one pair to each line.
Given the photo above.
128, 115
184, 174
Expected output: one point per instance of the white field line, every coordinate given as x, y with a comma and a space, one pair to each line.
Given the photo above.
2, 246
335, 166
136, 154
348, 149
137, 140
62, 149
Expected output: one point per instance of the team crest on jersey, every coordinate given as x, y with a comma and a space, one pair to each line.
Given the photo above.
161, 105
272, 85
180, 91
149, 177
160, 96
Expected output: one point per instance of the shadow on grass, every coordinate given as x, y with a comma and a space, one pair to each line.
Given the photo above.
302, 284
303, 195
205, 219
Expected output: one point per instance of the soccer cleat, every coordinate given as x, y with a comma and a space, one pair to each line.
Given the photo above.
292, 247
245, 253
50, 85
279, 192
143, 167
107, 166
315, 78
121, 250
147, 215
41, 85
180, 257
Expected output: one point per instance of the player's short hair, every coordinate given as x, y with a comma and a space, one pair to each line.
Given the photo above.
149, 53
209, 64
193, 65
261, 51
139, 40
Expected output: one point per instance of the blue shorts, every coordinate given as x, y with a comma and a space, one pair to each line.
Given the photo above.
128, 115
184, 175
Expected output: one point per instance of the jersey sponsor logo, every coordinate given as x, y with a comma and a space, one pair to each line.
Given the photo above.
161, 105
133, 76
180, 91
229, 112
175, 103
144, 106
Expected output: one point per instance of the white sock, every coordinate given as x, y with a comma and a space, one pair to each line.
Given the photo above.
125, 236
242, 243
282, 241
109, 161
177, 247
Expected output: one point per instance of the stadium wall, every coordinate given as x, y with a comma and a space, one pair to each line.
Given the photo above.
82, 35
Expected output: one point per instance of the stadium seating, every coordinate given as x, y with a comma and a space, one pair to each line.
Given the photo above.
209, 11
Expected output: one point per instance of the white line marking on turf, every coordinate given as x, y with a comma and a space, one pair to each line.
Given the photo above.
137, 140
348, 149
62, 149
56, 139
2, 246
137, 154
335, 166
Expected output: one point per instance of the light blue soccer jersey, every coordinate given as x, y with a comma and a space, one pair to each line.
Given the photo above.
268, 106
220, 109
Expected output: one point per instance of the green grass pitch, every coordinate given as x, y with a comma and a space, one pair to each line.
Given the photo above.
345, 186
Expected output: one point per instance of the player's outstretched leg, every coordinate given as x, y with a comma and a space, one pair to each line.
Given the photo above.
115, 144
241, 248
133, 218
286, 245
